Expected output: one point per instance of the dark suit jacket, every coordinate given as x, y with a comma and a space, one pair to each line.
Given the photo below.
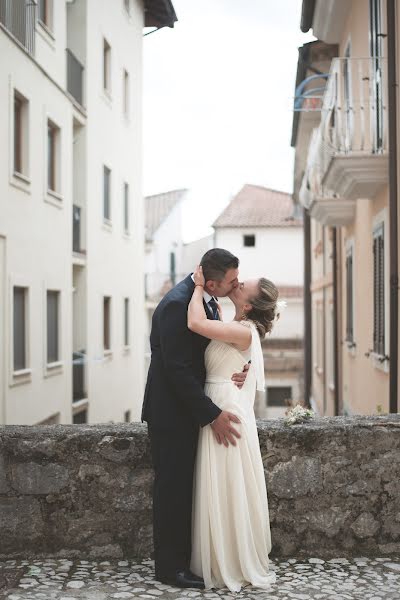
174, 395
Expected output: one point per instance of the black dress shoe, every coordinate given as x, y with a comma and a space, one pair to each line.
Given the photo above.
184, 579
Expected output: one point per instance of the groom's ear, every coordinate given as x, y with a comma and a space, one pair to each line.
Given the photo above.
210, 285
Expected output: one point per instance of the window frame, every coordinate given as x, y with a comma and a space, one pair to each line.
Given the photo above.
106, 70
350, 341
126, 209
106, 326
20, 376
248, 236
381, 220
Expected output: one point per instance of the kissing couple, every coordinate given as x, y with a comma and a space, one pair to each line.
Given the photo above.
210, 508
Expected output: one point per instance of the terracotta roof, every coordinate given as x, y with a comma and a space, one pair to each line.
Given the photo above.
158, 207
256, 206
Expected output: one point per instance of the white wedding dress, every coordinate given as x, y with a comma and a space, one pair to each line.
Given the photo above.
231, 536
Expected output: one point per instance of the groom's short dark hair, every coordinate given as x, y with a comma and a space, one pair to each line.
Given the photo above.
216, 262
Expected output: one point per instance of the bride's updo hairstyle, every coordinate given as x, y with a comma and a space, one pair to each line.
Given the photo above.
264, 309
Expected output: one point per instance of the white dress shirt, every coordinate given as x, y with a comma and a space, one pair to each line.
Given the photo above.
206, 296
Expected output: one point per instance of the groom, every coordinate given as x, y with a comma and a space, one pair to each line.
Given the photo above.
175, 406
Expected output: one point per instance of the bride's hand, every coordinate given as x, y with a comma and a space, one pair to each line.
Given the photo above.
198, 276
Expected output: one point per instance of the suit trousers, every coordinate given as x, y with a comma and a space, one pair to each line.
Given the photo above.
173, 456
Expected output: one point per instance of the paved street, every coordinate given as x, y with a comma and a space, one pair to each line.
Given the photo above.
334, 579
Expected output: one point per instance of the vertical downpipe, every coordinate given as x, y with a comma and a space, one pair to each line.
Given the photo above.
307, 309
393, 209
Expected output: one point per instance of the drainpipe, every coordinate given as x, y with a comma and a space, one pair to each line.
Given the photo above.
393, 214
335, 320
307, 308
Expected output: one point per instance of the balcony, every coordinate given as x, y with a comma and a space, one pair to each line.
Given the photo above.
75, 72
347, 156
19, 18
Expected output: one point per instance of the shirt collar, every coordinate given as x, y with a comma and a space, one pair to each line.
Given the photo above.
206, 295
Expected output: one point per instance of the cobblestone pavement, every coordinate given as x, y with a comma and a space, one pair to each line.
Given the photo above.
301, 579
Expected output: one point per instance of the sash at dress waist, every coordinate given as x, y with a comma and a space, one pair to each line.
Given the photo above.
218, 380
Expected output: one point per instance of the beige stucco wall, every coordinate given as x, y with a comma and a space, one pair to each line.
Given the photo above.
365, 382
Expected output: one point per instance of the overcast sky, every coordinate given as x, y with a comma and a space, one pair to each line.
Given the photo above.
218, 93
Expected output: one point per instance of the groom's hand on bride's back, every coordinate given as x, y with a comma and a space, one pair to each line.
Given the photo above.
224, 432
240, 378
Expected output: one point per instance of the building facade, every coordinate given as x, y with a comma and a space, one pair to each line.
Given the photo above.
260, 227
71, 210
347, 185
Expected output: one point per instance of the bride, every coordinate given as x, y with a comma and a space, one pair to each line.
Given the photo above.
231, 536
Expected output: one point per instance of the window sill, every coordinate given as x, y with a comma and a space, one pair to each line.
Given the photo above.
108, 354
127, 235
351, 347
78, 405
54, 198
126, 350
21, 182
20, 377
45, 33
54, 368
379, 363
107, 225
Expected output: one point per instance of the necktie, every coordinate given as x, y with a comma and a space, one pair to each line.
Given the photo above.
213, 305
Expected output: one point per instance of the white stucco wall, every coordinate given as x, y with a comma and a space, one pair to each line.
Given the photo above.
36, 228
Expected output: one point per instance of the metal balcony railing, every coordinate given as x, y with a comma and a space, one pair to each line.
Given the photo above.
75, 72
354, 113
353, 121
19, 18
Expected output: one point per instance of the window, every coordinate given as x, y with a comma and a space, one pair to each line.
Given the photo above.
320, 339
106, 322
277, 396
127, 416
52, 326
53, 159
106, 66
126, 321
379, 290
249, 240
20, 134
45, 12
106, 194
126, 94
19, 327
80, 417
349, 296
126, 207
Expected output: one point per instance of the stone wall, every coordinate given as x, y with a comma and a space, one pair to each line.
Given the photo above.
85, 490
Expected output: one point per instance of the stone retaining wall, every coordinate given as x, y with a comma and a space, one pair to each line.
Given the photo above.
85, 490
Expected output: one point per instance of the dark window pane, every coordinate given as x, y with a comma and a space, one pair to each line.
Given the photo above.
19, 329
80, 417
379, 291
51, 157
17, 134
276, 396
106, 193
52, 326
126, 207
249, 240
126, 321
106, 322
43, 12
